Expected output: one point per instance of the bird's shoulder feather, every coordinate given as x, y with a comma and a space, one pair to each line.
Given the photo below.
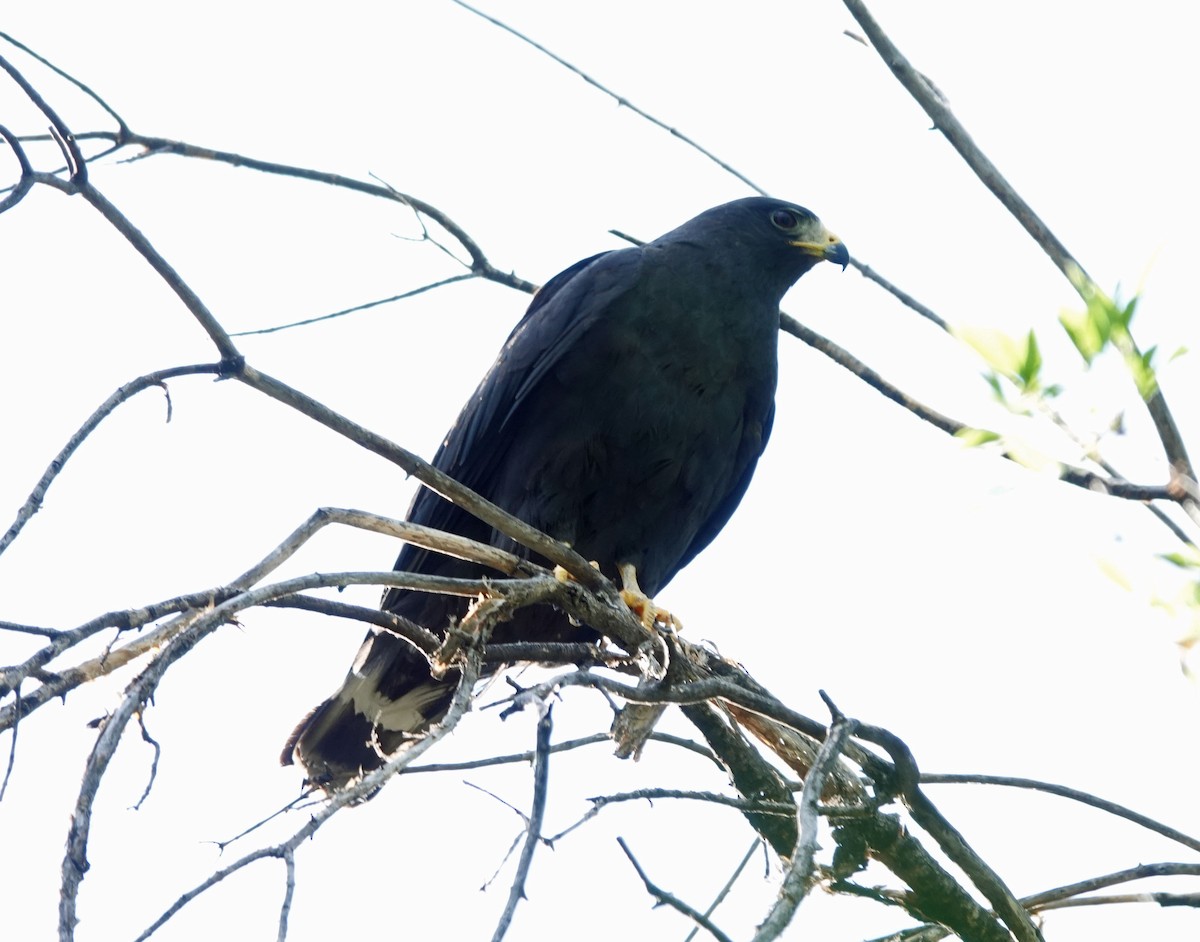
561, 313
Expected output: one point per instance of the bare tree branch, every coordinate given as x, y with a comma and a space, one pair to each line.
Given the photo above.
289, 862
27, 179
1063, 792
404, 295
1141, 872
344, 798
799, 875
952, 843
620, 99
533, 826
724, 891
670, 900
58, 128
158, 378
524, 757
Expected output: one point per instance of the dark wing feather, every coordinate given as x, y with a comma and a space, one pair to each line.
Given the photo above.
753, 449
563, 310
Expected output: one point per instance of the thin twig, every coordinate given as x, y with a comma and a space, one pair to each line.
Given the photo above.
724, 891
480, 265
902, 296
342, 799
58, 128
714, 798
153, 743
1067, 896
1191, 900
34, 502
13, 626
533, 825
558, 747
70, 78
934, 104
296, 802
1078, 477
356, 308
600, 802
620, 99
12, 745
27, 179
669, 899
199, 310
1063, 791
1140, 872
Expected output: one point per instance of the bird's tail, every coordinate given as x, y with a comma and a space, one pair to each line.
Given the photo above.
387, 697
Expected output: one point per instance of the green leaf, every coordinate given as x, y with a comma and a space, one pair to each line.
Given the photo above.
1115, 573
1142, 369
993, 380
1031, 364
1188, 558
1025, 454
1101, 322
1124, 315
1002, 352
1179, 352
1084, 334
974, 437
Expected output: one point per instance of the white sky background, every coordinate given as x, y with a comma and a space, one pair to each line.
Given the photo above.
943, 593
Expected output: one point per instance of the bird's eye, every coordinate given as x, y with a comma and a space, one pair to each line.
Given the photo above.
783, 219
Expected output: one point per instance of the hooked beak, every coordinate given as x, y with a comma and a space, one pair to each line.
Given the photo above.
830, 249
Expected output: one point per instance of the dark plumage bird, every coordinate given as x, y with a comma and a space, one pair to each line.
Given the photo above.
624, 416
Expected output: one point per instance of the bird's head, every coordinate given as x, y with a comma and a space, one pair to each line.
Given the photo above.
779, 239
805, 232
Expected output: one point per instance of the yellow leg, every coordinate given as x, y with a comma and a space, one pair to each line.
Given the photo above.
641, 604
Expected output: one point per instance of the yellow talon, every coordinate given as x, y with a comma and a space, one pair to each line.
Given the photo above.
641, 604
562, 575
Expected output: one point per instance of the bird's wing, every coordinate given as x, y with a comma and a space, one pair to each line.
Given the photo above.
565, 308
752, 449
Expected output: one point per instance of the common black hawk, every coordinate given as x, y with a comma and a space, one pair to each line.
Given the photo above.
624, 416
